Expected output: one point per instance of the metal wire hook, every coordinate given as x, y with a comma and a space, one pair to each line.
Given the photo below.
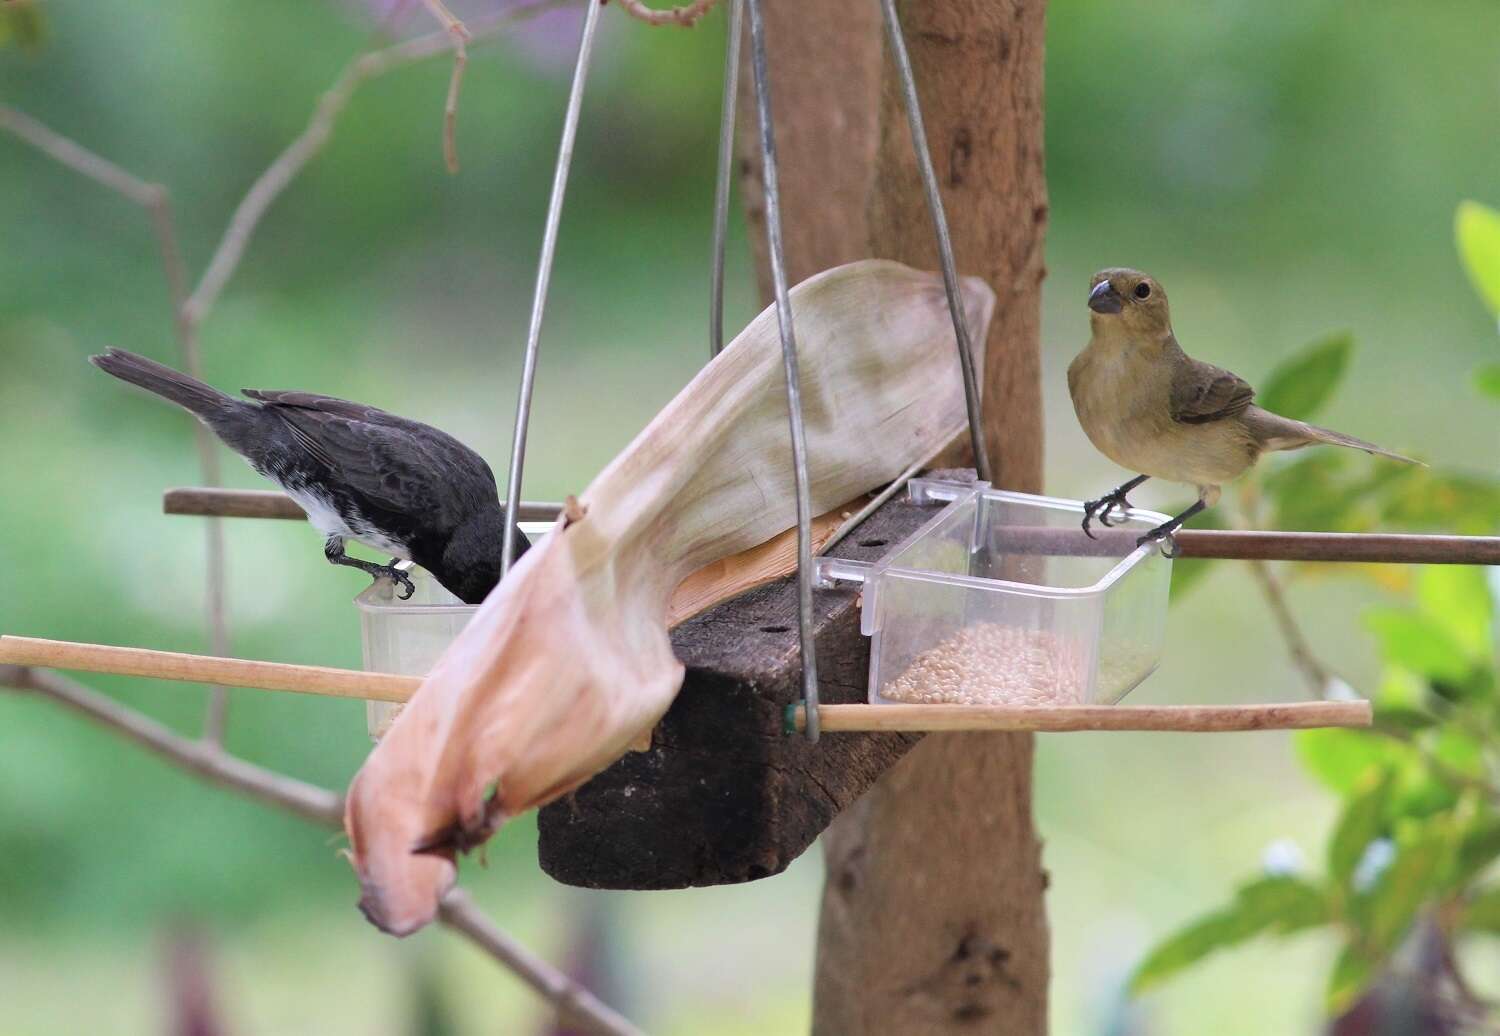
789, 360
721, 183
543, 276
944, 241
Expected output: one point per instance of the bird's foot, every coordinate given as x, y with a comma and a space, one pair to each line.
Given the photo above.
400, 578
1102, 508
1162, 534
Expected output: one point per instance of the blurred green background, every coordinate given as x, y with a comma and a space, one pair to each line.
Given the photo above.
1286, 172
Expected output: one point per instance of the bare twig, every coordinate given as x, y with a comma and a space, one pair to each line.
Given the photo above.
450, 109
686, 15
78, 158
207, 760
216, 716
460, 34
1296, 643
573, 1003
1316, 674
154, 199
280, 173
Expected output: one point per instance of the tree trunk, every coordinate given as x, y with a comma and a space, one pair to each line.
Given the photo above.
933, 918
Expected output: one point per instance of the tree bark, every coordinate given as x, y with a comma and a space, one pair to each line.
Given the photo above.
932, 917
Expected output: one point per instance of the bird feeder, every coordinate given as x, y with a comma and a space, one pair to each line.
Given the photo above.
406, 636
992, 611
975, 609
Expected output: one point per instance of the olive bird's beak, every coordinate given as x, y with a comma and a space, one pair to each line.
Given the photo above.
1104, 298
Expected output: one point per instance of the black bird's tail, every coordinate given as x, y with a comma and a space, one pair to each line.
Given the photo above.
187, 392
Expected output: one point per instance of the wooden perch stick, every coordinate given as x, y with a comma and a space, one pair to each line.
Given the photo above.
267, 503
230, 672
351, 683
1380, 548
1062, 718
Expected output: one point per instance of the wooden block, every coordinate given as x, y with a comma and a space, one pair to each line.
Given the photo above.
724, 795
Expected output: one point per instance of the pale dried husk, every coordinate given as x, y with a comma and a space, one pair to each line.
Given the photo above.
568, 662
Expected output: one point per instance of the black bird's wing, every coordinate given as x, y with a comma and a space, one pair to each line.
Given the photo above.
1202, 392
404, 475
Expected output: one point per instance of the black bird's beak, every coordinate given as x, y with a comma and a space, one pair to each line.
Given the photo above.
1104, 298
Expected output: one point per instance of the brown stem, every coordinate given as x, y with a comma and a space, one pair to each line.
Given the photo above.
575, 1005
1302, 656
686, 15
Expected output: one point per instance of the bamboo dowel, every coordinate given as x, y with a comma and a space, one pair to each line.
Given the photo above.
351, 683
231, 672
1061, 718
267, 503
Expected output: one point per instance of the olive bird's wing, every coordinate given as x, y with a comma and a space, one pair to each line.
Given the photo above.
1202, 392
400, 471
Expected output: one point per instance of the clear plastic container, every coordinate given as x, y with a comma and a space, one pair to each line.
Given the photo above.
998, 601
406, 637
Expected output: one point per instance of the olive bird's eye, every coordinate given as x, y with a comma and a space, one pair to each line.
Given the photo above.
1143, 290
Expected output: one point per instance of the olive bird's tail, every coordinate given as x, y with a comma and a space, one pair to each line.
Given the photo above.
1328, 435
1274, 432
187, 392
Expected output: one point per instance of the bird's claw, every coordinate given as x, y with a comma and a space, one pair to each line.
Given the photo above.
1162, 535
1102, 508
402, 581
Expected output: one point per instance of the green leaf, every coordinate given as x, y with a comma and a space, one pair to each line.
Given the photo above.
1301, 385
1280, 903
1362, 822
1193, 943
1459, 750
1478, 849
1339, 758
1487, 379
1477, 230
1403, 719
1336, 490
1403, 888
1351, 974
1458, 597
1424, 499
1417, 642
1483, 912
1286, 902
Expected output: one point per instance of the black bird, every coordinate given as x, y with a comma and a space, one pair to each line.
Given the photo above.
399, 486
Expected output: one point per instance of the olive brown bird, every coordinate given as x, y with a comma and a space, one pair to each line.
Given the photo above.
399, 486
1151, 408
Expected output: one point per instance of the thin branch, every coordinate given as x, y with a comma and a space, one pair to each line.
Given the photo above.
154, 199
207, 760
280, 173
79, 158
686, 15
1317, 675
216, 716
460, 34
574, 1004
1297, 646
450, 109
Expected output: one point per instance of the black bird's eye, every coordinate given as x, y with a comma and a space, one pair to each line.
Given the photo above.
1143, 290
